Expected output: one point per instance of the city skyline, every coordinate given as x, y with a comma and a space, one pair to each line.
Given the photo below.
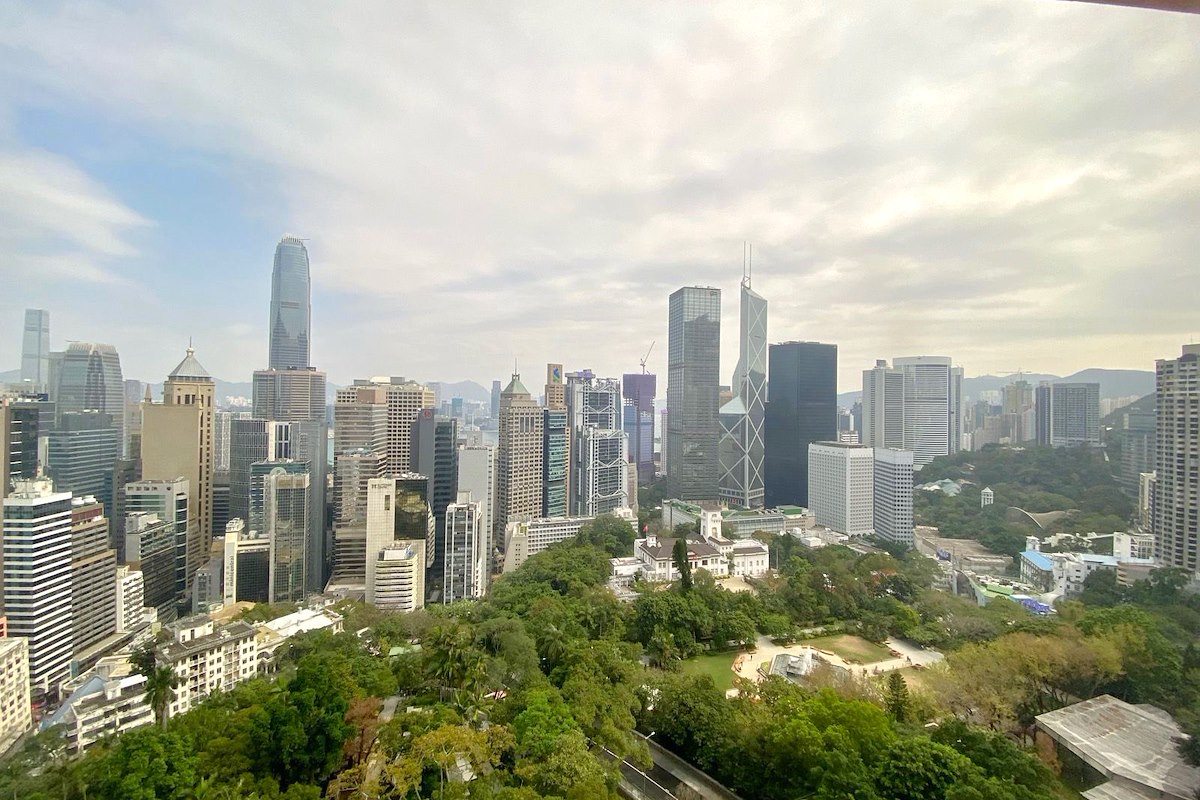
883, 185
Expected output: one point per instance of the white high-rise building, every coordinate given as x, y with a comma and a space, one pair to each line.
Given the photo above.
398, 515
893, 482
467, 563
1176, 481
37, 577
841, 487
742, 418
477, 475
131, 599
923, 396
397, 580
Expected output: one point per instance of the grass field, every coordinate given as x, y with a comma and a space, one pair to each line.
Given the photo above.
718, 666
851, 648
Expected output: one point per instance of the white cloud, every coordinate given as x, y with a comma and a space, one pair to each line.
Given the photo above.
480, 181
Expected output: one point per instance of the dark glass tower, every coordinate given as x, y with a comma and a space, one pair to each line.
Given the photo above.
638, 419
291, 311
801, 409
435, 455
693, 393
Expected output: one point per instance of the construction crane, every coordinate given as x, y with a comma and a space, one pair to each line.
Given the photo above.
643, 361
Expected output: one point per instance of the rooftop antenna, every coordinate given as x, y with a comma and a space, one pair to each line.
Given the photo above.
747, 263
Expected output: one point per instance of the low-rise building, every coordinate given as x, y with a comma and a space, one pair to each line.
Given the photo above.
737, 523
16, 714
207, 658
658, 558
525, 538
270, 636
106, 700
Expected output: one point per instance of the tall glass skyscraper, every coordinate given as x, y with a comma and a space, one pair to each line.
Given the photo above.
638, 418
693, 392
35, 348
291, 311
88, 378
742, 417
801, 410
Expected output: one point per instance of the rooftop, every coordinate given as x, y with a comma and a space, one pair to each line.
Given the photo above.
1131, 743
190, 367
1038, 559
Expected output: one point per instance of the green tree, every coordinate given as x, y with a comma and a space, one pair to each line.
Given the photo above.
919, 769
160, 692
680, 555
895, 697
610, 533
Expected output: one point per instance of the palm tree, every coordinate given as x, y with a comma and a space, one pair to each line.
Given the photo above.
160, 691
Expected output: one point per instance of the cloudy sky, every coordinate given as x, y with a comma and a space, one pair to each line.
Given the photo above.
1015, 184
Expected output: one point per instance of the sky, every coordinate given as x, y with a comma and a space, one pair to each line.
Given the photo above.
1013, 184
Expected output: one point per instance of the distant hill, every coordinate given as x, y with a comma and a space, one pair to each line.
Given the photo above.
1113, 383
467, 390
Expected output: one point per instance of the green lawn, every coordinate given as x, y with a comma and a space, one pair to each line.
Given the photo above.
851, 648
718, 666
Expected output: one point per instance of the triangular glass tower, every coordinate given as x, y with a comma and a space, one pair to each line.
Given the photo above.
742, 417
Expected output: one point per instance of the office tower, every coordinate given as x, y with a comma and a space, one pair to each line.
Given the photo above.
932, 407
354, 469
693, 431
556, 394
35, 348
170, 499
841, 486
883, 407
1068, 414
856, 418
83, 450
87, 377
220, 506
638, 421
177, 442
131, 599
1137, 449
16, 705
518, 458
37, 577
207, 588
291, 311
93, 590
467, 562
599, 478
435, 454
894, 495
284, 493
149, 547
477, 475
556, 461
1018, 412
456, 407
398, 519
133, 416
222, 422
495, 399
801, 409
247, 572
404, 400
297, 396
252, 441
20, 428
398, 579
360, 418
1176, 486
742, 418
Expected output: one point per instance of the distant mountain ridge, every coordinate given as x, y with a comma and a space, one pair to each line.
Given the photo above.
1113, 383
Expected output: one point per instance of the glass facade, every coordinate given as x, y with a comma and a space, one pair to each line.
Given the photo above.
291, 312
801, 410
693, 393
88, 378
638, 419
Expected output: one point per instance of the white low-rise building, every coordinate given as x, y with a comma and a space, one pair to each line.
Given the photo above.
654, 559
207, 658
107, 700
271, 635
525, 538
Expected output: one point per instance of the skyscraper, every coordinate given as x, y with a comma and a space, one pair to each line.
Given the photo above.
519, 457
556, 397
477, 475
894, 495
291, 310
282, 489
1068, 414
20, 429
87, 377
883, 407
693, 392
157, 528
556, 461
37, 577
1176, 498
35, 348
932, 407
742, 418
93, 589
638, 420
495, 399
398, 516
801, 409
841, 486
435, 455
177, 442
599, 478
83, 449
404, 400
467, 562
